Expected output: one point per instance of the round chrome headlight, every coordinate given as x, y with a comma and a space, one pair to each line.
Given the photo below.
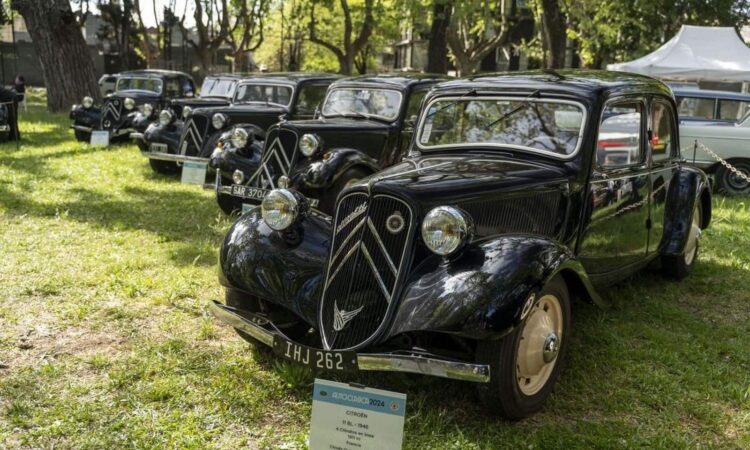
186, 112
309, 144
446, 229
147, 109
218, 121
87, 102
280, 209
165, 117
239, 138
129, 103
238, 177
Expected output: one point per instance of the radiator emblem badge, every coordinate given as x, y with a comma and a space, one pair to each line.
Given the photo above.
341, 318
358, 211
395, 223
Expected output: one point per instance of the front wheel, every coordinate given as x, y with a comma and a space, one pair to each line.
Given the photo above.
679, 266
730, 183
82, 136
525, 364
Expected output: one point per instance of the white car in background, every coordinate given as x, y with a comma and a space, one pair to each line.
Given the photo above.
107, 84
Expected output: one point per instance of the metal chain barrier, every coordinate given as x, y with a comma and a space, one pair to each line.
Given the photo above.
719, 159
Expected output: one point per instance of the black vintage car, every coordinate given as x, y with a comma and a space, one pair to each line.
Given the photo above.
462, 261
260, 100
163, 135
364, 125
138, 96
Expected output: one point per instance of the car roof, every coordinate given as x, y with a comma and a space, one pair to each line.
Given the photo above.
706, 93
154, 73
394, 80
573, 82
291, 77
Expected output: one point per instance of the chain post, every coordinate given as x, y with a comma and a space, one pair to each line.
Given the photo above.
695, 149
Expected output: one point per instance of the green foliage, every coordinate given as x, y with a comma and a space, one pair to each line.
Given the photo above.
99, 282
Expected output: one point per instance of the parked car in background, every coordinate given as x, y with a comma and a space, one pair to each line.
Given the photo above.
107, 84
462, 260
704, 106
138, 97
163, 135
365, 124
260, 100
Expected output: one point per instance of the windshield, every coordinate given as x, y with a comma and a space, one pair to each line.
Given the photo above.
218, 87
364, 102
264, 93
540, 125
141, 84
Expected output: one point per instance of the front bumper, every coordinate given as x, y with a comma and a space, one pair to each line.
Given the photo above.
166, 156
387, 362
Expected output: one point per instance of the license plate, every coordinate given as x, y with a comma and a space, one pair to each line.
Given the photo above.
314, 357
158, 148
254, 193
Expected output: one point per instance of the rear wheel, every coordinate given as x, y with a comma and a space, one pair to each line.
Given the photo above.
729, 182
525, 364
82, 136
351, 176
164, 167
679, 266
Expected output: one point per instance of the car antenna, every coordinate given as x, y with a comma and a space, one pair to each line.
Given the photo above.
554, 73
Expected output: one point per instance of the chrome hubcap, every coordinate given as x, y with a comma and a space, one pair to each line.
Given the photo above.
541, 338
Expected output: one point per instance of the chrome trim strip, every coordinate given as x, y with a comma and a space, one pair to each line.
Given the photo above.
386, 362
161, 156
82, 128
378, 278
346, 241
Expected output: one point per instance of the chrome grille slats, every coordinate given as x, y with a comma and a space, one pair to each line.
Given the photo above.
279, 157
111, 113
193, 135
365, 267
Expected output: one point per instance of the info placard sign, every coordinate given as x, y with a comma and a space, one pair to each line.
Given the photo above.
345, 417
194, 172
99, 139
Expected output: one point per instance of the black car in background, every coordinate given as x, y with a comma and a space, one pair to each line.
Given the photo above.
260, 101
163, 134
462, 260
138, 97
364, 125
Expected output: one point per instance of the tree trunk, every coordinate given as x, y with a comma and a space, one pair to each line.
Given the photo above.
554, 29
437, 50
67, 66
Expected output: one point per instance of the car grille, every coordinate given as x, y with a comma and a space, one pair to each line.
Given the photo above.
279, 156
535, 214
111, 113
193, 135
367, 262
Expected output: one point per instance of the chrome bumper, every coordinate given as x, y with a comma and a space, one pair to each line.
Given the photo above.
172, 157
387, 362
82, 128
136, 136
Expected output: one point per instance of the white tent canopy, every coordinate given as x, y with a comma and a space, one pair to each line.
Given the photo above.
695, 54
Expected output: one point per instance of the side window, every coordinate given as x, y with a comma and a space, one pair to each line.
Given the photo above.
172, 87
662, 130
619, 140
696, 108
188, 90
733, 110
310, 97
415, 101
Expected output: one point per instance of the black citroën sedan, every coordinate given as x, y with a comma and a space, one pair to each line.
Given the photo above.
364, 125
138, 96
260, 101
163, 134
462, 261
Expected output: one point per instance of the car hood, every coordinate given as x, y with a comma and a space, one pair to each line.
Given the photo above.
431, 181
365, 135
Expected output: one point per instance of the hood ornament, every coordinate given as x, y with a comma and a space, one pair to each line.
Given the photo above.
341, 318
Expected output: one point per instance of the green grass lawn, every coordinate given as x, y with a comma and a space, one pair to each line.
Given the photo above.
106, 270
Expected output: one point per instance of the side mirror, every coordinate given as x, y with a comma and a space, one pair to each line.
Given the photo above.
316, 113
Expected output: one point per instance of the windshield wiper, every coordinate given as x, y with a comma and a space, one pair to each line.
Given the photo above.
523, 105
471, 92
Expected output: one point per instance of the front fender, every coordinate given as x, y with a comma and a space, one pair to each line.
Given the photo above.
321, 173
230, 159
85, 116
284, 268
481, 294
688, 187
157, 133
140, 121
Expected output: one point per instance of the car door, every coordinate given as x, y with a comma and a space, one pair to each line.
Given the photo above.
663, 156
616, 234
